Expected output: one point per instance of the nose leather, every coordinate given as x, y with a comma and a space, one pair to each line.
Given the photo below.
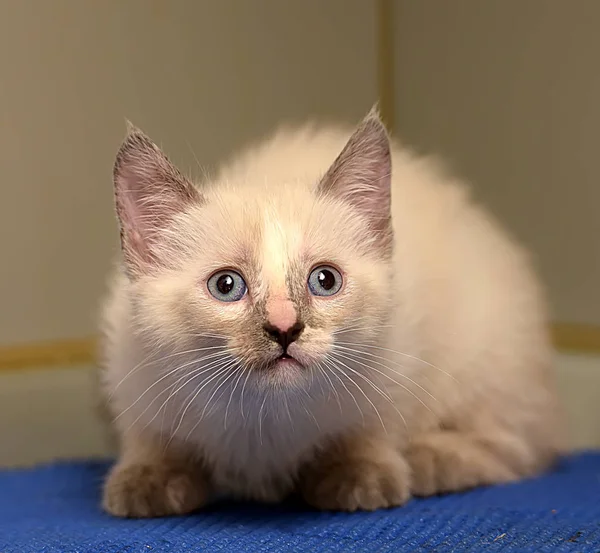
284, 337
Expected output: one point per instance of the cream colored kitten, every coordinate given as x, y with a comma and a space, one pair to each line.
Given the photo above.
326, 317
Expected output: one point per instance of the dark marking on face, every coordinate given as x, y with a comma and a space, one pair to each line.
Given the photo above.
296, 282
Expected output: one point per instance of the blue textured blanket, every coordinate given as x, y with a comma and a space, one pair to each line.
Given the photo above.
55, 509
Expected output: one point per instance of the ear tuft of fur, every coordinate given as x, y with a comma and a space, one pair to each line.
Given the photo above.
149, 192
362, 175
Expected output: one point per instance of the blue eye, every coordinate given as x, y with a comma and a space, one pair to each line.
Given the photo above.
325, 281
227, 286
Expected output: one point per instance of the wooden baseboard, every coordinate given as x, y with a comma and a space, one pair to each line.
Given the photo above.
576, 337
64, 353
567, 337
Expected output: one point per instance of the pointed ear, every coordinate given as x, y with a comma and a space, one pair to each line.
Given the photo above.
361, 176
149, 193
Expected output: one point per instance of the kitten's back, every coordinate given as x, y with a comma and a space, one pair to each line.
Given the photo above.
463, 281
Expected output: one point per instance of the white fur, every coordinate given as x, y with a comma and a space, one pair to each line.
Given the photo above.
459, 301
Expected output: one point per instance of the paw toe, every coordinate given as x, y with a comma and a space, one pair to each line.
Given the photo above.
141, 491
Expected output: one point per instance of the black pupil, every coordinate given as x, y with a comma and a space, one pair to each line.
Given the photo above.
225, 284
326, 279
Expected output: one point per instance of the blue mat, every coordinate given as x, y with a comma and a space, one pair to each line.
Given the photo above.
54, 509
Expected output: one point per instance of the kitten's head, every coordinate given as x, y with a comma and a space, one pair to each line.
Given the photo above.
270, 276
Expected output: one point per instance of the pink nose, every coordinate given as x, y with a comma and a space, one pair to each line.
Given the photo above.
282, 324
281, 314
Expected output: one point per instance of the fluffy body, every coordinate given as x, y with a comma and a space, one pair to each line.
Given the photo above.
430, 371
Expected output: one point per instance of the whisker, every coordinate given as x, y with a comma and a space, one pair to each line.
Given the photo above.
404, 355
361, 354
193, 397
133, 370
332, 387
188, 377
231, 370
213, 365
191, 375
260, 418
289, 414
242, 393
235, 385
363, 392
218, 387
307, 411
217, 369
359, 328
156, 382
333, 368
142, 364
384, 395
208, 335
369, 367
336, 357
358, 324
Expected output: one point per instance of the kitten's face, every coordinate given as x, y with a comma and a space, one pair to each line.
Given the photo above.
273, 276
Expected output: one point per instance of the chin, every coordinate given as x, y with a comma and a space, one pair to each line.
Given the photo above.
286, 371
285, 374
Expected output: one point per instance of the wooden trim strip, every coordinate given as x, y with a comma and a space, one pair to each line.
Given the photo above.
64, 353
576, 337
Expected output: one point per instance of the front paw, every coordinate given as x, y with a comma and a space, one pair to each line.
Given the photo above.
146, 490
358, 485
446, 462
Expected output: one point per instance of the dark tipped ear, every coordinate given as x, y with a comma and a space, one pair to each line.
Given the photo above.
361, 176
149, 192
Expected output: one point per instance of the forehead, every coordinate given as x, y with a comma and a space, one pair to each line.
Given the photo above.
274, 234
283, 242
273, 228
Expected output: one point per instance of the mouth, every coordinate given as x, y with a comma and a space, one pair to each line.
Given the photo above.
285, 370
286, 360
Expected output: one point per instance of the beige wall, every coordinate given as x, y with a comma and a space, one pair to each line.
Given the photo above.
506, 89
509, 92
195, 74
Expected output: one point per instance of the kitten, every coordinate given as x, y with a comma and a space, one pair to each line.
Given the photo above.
330, 316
